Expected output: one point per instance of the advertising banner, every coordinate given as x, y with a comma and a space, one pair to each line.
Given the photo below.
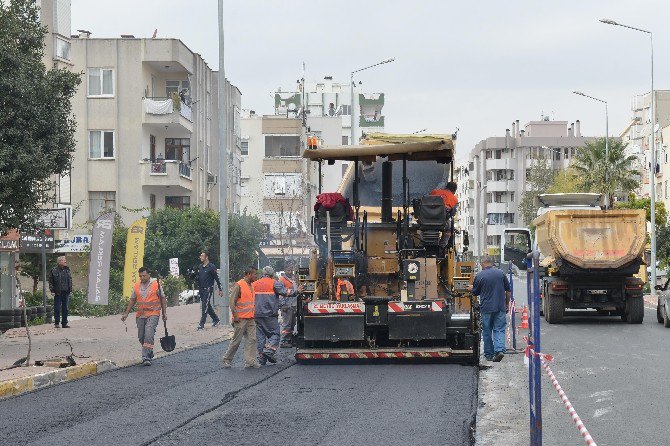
134, 255
101, 254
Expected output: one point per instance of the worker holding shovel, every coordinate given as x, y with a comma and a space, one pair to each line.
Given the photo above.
150, 301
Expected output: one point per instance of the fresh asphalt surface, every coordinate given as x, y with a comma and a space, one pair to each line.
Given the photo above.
188, 398
614, 374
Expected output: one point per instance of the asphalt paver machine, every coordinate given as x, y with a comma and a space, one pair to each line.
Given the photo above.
383, 282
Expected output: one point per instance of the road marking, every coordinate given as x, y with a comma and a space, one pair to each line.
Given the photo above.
600, 412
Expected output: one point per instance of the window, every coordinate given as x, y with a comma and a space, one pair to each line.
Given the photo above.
62, 48
178, 149
557, 154
493, 240
500, 218
489, 175
511, 196
511, 153
178, 87
178, 202
152, 202
528, 172
282, 185
152, 148
98, 202
100, 82
498, 154
244, 147
498, 197
282, 145
100, 144
489, 197
345, 110
345, 140
565, 153
489, 154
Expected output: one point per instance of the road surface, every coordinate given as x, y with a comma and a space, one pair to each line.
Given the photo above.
188, 398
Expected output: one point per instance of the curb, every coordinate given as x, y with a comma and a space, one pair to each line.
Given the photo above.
18, 386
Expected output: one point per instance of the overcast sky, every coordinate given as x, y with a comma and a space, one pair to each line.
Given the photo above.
475, 65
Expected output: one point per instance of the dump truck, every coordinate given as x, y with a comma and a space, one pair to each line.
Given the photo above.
383, 282
591, 256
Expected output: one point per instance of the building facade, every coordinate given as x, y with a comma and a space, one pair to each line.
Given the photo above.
495, 176
278, 184
333, 100
147, 133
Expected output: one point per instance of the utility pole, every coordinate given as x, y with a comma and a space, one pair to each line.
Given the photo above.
223, 176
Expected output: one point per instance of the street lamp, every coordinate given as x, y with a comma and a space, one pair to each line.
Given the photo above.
607, 140
652, 150
351, 84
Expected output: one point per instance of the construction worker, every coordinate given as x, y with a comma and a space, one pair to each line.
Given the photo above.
267, 292
289, 304
448, 194
344, 290
150, 302
242, 309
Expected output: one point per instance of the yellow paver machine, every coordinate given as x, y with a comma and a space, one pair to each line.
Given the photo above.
383, 282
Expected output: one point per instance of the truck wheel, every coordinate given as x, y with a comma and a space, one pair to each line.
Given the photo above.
555, 308
635, 310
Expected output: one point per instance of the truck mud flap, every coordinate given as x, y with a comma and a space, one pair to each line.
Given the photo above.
334, 327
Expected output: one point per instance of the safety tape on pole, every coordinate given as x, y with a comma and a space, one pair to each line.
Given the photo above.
544, 360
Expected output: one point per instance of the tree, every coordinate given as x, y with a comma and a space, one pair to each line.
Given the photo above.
608, 174
541, 176
566, 181
184, 233
36, 123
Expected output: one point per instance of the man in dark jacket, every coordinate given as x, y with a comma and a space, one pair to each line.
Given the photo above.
207, 276
60, 285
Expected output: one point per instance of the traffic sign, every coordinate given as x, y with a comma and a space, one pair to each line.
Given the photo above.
31, 243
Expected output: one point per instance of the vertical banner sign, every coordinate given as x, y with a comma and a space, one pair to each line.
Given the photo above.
134, 255
174, 266
101, 254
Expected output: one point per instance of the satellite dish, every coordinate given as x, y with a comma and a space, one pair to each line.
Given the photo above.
291, 106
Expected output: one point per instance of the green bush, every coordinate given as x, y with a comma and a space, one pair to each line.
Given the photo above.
172, 286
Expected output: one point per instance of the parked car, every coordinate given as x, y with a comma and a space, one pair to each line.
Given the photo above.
189, 297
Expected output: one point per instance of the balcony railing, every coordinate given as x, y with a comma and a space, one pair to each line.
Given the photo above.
376, 99
158, 168
184, 170
371, 121
167, 106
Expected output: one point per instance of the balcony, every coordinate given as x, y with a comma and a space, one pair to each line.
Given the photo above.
167, 111
372, 99
501, 186
500, 164
371, 121
167, 173
499, 208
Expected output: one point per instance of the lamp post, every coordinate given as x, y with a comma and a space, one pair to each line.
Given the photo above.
607, 140
223, 175
353, 102
652, 151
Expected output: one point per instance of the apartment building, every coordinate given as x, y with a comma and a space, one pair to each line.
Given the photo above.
278, 185
496, 174
636, 136
331, 99
147, 128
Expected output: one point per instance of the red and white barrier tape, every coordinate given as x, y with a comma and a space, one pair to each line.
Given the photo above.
544, 359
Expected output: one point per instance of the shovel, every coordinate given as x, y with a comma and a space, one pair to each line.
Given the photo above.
168, 342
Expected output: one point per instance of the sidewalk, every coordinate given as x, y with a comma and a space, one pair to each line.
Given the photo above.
101, 343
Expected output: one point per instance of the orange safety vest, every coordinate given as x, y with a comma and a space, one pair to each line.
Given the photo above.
344, 288
450, 200
287, 283
149, 305
244, 307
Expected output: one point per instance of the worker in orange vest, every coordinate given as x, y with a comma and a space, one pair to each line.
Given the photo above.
448, 194
242, 309
344, 290
289, 305
267, 294
150, 301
